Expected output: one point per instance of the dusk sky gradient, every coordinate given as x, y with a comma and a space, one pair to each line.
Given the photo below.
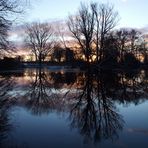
133, 13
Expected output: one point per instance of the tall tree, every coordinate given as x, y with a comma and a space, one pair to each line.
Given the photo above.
106, 19
39, 40
91, 25
81, 26
122, 37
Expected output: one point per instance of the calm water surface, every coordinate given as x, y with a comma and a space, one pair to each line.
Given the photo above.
57, 109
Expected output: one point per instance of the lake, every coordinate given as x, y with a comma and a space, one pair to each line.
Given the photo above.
73, 109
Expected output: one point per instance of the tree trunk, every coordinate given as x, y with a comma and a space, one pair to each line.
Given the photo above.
40, 60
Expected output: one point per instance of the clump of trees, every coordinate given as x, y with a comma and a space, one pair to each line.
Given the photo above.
93, 27
90, 27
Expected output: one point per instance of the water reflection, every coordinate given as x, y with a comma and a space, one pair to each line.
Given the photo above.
61, 78
38, 94
4, 122
94, 113
6, 101
44, 92
89, 99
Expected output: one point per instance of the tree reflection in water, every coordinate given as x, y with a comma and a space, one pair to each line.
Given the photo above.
95, 114
6, 101
132, 87
92, 107
88, 98
39, 97
44, 92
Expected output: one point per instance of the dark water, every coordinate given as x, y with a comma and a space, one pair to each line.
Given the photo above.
42, 109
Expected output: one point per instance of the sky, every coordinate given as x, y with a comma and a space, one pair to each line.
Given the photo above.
133, 13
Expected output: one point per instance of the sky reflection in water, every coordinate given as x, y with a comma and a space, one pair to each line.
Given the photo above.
40, 108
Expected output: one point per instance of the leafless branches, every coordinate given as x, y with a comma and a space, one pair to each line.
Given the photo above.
39, 39
91, 25
8, 11
106, 19
81, 26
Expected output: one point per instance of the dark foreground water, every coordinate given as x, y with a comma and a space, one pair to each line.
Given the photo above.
57, 109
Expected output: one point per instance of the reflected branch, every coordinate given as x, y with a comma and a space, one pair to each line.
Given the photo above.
94, 114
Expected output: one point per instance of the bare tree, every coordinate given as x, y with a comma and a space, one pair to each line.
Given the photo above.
122, 37
8, 13
106, 19
128, 41
39, 40
91, 25
81, 26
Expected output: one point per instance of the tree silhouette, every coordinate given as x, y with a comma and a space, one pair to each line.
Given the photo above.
110, 52
69, 55
122, 37
81, 26
58, 54
39, 40
9, 10
106, 19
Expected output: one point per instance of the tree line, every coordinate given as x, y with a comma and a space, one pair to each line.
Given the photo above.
93, 31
